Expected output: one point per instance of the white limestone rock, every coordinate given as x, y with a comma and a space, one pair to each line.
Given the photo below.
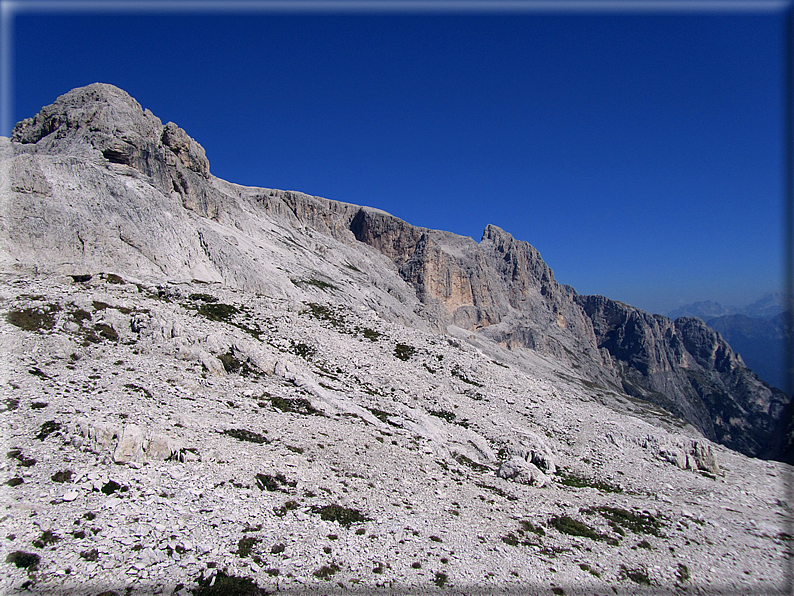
130, 446
521, 471
535, 450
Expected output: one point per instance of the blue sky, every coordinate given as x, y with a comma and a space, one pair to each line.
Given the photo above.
640, 152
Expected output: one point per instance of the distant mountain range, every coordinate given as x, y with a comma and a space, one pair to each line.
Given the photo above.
756, 332
767, 307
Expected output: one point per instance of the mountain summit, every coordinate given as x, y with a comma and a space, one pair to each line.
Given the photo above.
211, 387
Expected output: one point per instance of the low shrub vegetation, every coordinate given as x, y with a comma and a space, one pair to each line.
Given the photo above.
344, 516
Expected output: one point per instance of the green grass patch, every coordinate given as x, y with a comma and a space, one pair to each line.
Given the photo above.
47, 429
47, 537
458, 373
228, 585
40, 318
321, 312
567, 525
274, 482
470, 463
344, 516
112, 278
316, 283
326, 571
287, 506
218, 312
246, 435
639, 523
200, 297
368, 333
304, 351
62, 476
404, 352
577, 481
638, 576
528, 526
443, 414
138, 389
23, 560
245, 545
297, 405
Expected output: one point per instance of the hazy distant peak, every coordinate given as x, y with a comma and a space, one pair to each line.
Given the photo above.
704, 309
766, 307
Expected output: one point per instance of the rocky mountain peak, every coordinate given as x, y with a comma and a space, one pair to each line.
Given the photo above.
96, 111
105, 119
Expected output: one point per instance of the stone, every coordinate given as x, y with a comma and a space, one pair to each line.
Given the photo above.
130, 446
96, 436
519, 470
704, 457
675, 455
211, 363
161, 447
535, 450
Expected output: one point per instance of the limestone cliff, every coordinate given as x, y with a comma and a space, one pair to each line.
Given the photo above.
96, 183
689, 369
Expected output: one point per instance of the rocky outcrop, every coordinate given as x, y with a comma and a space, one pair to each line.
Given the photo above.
523, 472
102, 119
500, 286
688, 369
126, 445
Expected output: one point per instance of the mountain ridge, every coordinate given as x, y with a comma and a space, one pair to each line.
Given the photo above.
500, 288
212, 386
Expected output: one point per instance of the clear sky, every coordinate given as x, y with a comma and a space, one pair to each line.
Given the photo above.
639, 151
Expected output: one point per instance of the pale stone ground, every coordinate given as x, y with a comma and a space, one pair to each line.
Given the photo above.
404, 426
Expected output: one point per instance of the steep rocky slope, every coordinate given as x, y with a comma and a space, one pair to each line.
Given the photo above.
161, 436
760, 342
206, 382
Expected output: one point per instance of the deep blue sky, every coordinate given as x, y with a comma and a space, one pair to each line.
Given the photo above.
639, 153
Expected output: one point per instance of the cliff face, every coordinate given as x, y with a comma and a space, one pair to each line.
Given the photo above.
97, 183
689, 369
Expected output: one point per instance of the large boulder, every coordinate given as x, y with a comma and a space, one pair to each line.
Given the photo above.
519, 470
535, 450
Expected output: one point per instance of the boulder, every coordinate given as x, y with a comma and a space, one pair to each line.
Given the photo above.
536, 450
161, 447
130, 447
704, 458
211, 363
96, 437
674, 454
519, 470
691, 455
